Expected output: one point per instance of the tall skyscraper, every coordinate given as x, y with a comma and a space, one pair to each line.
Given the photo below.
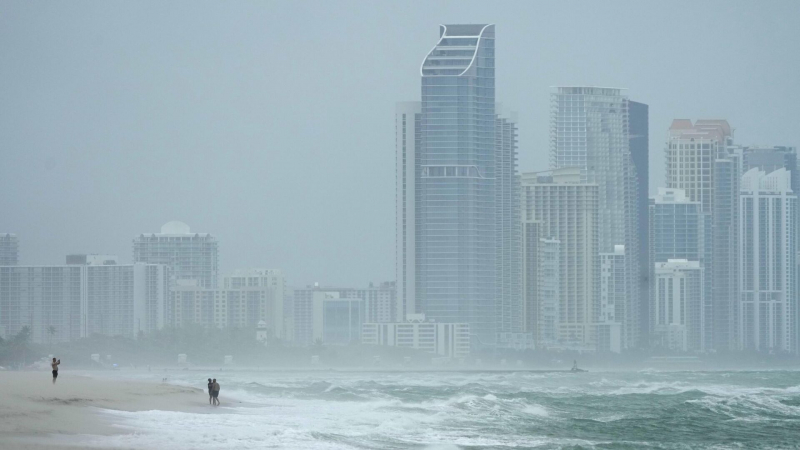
9, 249
567, 210
725, 270
701, 160
770, 159
767, 272
680, 230
407, 145
589, 129
190, 256
458, 233
639, 144
509, 229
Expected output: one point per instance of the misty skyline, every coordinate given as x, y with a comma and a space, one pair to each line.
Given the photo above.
271, 126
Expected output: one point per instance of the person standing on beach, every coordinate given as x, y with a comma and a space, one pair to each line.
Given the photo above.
215, 390
210, 391
54, 365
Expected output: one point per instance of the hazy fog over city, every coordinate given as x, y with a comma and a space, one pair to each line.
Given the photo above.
271, 125
418, 224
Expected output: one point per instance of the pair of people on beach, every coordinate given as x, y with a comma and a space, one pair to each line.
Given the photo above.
213, 392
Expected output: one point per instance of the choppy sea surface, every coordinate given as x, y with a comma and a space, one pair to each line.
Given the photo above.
488, 410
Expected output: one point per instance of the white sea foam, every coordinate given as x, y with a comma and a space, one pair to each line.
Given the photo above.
336, 411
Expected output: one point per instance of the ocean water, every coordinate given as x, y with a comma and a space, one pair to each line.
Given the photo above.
488, 410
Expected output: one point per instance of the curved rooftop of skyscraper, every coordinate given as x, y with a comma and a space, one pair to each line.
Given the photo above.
454, 53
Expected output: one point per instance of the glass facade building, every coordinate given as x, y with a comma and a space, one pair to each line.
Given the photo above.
456, 243
639, 129
589, 130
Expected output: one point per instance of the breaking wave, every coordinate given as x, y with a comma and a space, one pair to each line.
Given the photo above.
645, 409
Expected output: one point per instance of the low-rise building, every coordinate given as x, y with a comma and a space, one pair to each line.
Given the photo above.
269, 278
242, 307
444, 339
378, 303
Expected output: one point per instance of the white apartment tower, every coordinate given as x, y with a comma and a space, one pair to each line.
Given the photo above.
767, 309
190, 256
566, 210
64, 303
589, 130
678, 307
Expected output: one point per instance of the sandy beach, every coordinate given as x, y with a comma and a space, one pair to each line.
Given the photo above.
34, 412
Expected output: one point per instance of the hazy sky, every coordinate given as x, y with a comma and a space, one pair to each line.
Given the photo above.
271, 124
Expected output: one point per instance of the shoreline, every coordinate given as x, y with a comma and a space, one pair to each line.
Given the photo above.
35, 413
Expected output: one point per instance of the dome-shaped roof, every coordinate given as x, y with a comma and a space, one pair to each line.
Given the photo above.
262, 324
175, 227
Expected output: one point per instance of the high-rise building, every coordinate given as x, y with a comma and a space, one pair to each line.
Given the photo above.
567, 210
697, 154
678, 307
48, 299
460, 198
681, 230
64, 303
531, 234
408, 144
767, 272
509, 230
677, 226
690, 154
541, 284
9, 249
639, 144
190, 256
770, 159
589, 129
725, 270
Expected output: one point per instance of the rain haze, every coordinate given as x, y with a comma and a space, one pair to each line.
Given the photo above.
399, 225
271, 125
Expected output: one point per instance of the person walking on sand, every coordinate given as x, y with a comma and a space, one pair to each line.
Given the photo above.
54, 365
215, 390
210, 391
